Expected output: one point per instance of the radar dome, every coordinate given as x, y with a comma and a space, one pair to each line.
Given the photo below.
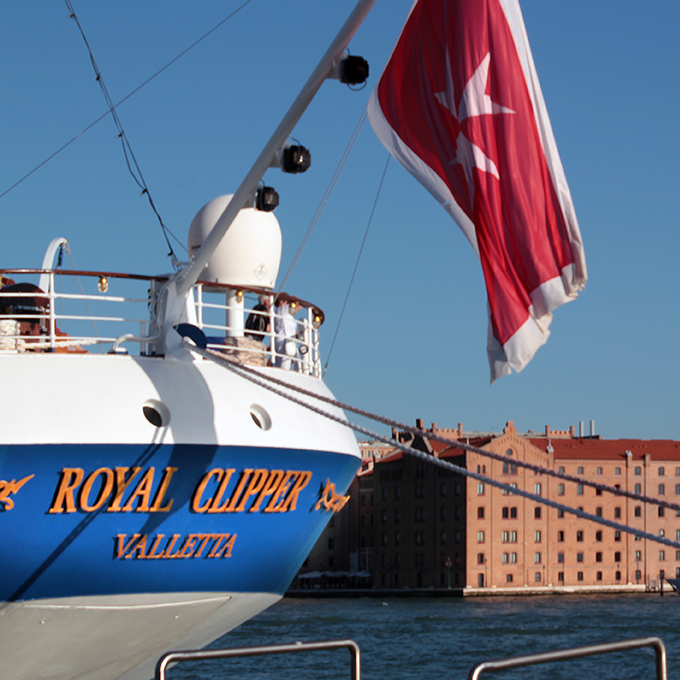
249, 254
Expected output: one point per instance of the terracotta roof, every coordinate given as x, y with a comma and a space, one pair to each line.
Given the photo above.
610, 449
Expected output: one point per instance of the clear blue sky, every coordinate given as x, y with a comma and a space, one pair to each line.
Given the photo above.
412, 342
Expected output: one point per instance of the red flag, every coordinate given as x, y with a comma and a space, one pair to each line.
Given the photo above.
460, 106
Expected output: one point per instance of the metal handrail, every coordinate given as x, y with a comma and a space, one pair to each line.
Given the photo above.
210, 654
577, 652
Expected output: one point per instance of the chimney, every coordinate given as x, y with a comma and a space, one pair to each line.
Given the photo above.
592, 428
580, 429
419, 423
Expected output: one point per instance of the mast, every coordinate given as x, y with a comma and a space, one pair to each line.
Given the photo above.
180, 284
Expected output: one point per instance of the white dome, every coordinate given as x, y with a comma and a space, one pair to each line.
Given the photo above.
249, 254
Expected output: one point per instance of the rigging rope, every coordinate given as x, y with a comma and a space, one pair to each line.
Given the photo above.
268, 382
130, 159
356, 266
324, 199
124, 99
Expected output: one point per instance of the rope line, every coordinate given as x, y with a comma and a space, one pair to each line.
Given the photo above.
324, 199
356, 266
128, 153
266, 381
469, 447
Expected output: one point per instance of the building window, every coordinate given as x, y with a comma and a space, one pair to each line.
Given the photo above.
662, 489
662, 511
638, 555
579, 489
598, 576
480, 537
537, 489
638, 471
579, 471
662, 555
480, 558
677, 489
598, 511
579, 576
560, 469
598, 471
638, 511
508, 578
537, 536
662, 472
579, 557
504, 558
560, 576
513, 513
638, 488
513, 558
537, 512
560, 557
598, 557
617, 512
638, 575
579, 536
617, 535
598, 536
617, 470
537, 577
480, 512
442, 491
677, 471
617, 557
560, 513
560, 489
442, 538
480, 489
537, 558
560, 536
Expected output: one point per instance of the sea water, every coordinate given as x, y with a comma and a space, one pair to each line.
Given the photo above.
437, 638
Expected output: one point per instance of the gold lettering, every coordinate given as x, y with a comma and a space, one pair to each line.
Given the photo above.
121, 547
151, 555
192, 546
274, 504
198, 491
121, 485
254, 486
162, 489
8, 488
300, 483
188, 546
143, 491
275, 477
233, 499
104, 492
215, 505
64, 497
168, 550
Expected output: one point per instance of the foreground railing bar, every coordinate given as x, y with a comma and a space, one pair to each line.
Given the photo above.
209, 654
577, 652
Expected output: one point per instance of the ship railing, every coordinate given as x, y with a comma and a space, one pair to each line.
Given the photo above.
236, 652
575, 653
84, 311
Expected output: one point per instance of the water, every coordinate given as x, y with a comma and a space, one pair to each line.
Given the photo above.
437, 638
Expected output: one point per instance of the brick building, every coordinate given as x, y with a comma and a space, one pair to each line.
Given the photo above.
413, 524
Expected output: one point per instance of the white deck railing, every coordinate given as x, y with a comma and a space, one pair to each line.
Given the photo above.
106, 312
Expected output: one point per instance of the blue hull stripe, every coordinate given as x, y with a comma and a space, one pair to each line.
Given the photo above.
81, 520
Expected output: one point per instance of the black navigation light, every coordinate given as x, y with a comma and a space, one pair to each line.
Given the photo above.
296, 159
353, 70
266, 199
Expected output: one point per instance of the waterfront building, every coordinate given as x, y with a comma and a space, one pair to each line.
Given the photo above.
415, 524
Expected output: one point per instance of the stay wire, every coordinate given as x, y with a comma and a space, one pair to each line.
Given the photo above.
459, 445
124, 99
128, 153
324, 199
267, 382
356, 266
